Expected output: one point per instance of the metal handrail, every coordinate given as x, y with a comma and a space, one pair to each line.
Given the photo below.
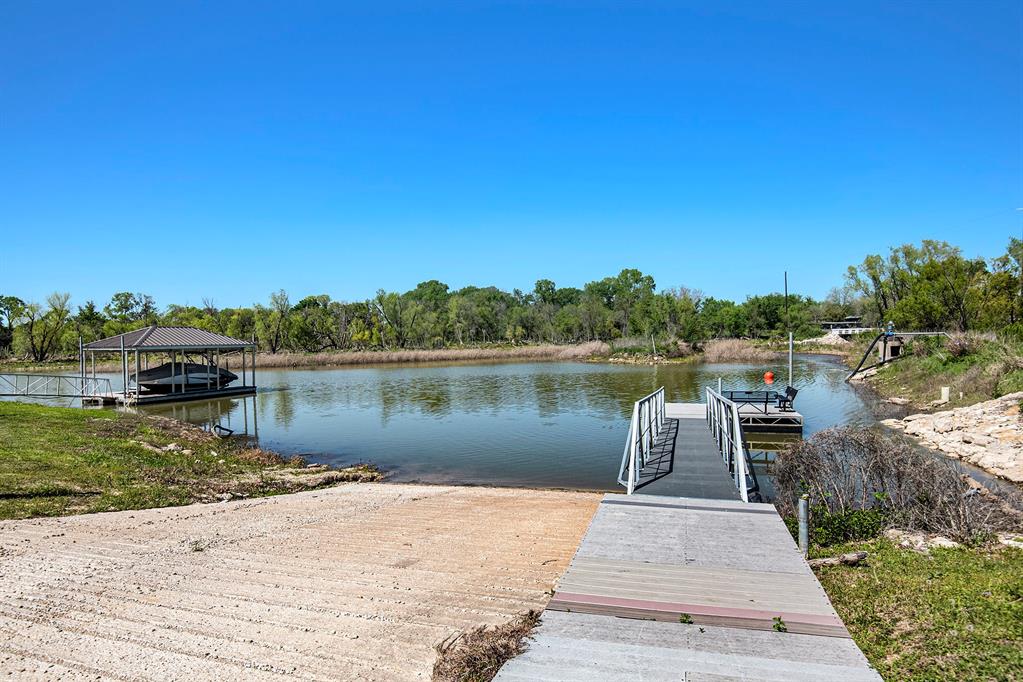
726, 427
644, 427
53, 385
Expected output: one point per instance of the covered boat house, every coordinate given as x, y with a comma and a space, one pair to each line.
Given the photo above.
172, 364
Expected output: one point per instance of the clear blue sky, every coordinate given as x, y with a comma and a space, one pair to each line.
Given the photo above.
224, 150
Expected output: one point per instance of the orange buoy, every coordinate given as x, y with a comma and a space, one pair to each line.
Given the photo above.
768, 378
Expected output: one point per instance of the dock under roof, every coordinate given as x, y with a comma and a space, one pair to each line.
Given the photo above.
176, 343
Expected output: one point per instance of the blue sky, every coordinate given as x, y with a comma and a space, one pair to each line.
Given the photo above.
225, 150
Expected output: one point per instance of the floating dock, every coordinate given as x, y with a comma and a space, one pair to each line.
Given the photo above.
131, 398
761, 418
668, 588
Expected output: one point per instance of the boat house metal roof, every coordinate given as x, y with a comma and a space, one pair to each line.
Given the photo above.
157, 338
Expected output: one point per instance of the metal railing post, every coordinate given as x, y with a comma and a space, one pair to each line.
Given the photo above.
644, 426
633, 428
804, 525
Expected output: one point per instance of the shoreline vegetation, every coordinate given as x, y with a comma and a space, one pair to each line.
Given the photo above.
56, 461
626, 352
938, 594
981, 422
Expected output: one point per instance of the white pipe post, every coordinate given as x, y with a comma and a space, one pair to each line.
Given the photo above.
804, 526
790, 358
633, 429
81, 362
124, 371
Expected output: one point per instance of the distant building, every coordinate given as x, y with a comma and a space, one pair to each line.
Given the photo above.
850, 322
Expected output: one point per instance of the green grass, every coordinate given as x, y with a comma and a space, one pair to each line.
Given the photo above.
56, 461
956, 614
994, 369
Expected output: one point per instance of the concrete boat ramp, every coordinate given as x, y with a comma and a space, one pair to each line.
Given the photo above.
667, 587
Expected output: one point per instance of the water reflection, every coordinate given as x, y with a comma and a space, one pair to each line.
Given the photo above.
534, 424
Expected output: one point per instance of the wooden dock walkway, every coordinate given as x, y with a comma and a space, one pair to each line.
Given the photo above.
685, 581
669, 588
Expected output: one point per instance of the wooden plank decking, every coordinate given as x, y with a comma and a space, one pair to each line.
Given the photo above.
685, 582
669, 588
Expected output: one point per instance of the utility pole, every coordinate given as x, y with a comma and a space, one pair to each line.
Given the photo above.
788, 325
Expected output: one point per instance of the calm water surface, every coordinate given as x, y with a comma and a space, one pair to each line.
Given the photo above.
522, 424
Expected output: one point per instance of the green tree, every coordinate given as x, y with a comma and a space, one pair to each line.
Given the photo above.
127, 311
273, 323
42, 330
11, 309
89, 322
399, 315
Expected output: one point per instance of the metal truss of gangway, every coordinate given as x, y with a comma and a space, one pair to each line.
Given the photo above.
31, 385
687, 449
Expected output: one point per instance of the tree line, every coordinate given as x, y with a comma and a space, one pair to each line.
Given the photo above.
931, 286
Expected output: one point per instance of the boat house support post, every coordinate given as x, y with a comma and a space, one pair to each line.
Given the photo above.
124, 371
245, 375
138, 368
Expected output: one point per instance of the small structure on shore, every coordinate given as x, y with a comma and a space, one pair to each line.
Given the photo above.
195, 365
890, 346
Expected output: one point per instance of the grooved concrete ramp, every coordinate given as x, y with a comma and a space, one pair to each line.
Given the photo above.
667, 588
358, 582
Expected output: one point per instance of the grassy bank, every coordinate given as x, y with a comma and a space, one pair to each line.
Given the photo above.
56, 461
638, 351
975, 368
952, 614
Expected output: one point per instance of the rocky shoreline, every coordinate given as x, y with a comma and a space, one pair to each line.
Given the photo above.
988, 435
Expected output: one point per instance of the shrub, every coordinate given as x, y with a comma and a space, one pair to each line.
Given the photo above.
735, 350
960, 344
861, 480
925, 346
478, 654
832, 529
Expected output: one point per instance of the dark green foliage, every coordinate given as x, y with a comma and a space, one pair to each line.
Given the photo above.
934, 287
931, 286
828, 528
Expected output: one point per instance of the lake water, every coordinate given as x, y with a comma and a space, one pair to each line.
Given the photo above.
559, 425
